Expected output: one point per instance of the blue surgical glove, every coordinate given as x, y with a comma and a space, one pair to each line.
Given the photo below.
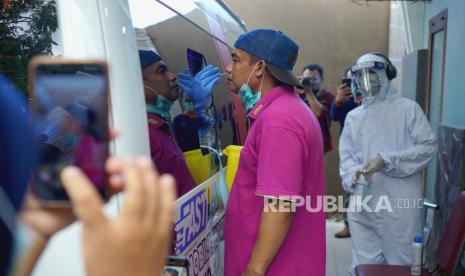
205, 123
200, 87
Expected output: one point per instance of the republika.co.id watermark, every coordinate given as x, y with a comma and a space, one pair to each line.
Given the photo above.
336, 204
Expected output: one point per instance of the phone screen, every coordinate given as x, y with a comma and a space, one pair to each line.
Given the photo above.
70, 117
195, 61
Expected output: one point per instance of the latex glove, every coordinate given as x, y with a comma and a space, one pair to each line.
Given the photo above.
201, 86
373, 166
205, 123
356, 176
185, 81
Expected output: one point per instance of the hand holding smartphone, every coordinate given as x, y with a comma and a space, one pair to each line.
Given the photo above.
70, 120
347, 82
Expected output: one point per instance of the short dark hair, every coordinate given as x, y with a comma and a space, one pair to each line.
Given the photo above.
314, 67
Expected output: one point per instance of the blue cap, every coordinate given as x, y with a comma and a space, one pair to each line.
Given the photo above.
278, 50
417, 239
148, 58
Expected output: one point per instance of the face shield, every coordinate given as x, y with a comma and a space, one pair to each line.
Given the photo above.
370, 79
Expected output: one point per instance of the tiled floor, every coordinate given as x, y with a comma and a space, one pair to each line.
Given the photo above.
338, 251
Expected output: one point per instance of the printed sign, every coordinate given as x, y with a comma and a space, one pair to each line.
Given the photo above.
198, 220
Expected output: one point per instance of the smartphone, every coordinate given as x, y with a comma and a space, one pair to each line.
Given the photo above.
347, 82
70, 121
196, 61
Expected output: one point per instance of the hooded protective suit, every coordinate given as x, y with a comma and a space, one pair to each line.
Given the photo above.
396, 129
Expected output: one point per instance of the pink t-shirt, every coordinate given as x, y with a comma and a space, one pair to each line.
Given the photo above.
282, 156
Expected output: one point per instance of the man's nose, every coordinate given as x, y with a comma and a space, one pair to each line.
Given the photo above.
172, 76
229, 68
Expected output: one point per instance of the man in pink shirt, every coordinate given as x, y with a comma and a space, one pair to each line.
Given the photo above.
282, 160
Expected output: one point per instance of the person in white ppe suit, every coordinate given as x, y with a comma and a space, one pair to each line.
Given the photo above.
388, 140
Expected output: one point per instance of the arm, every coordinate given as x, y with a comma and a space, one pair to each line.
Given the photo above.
40, 224
272, 233
315, 105
335, 112
136, 241
280, 174
410, 161
349, 162
342, 104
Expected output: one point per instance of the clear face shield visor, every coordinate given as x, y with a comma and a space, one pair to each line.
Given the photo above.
367, 77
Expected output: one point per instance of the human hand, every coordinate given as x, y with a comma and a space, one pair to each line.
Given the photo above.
201, 85
343, 92
356, 176
311, 85
137, 241
373, 166
45, 221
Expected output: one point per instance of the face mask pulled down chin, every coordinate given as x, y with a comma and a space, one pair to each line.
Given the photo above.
189, 106
248, 97
162, 105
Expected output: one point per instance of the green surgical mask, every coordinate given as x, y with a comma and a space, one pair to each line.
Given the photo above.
161, 107
189, 106
248, 97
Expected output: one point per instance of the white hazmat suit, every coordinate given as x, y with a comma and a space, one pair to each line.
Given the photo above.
396, 129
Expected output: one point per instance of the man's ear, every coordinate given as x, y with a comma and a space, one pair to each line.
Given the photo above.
261, 68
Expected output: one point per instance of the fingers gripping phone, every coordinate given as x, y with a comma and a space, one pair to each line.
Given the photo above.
70, 121
347, 82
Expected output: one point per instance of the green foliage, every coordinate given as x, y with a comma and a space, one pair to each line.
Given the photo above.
26, 28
